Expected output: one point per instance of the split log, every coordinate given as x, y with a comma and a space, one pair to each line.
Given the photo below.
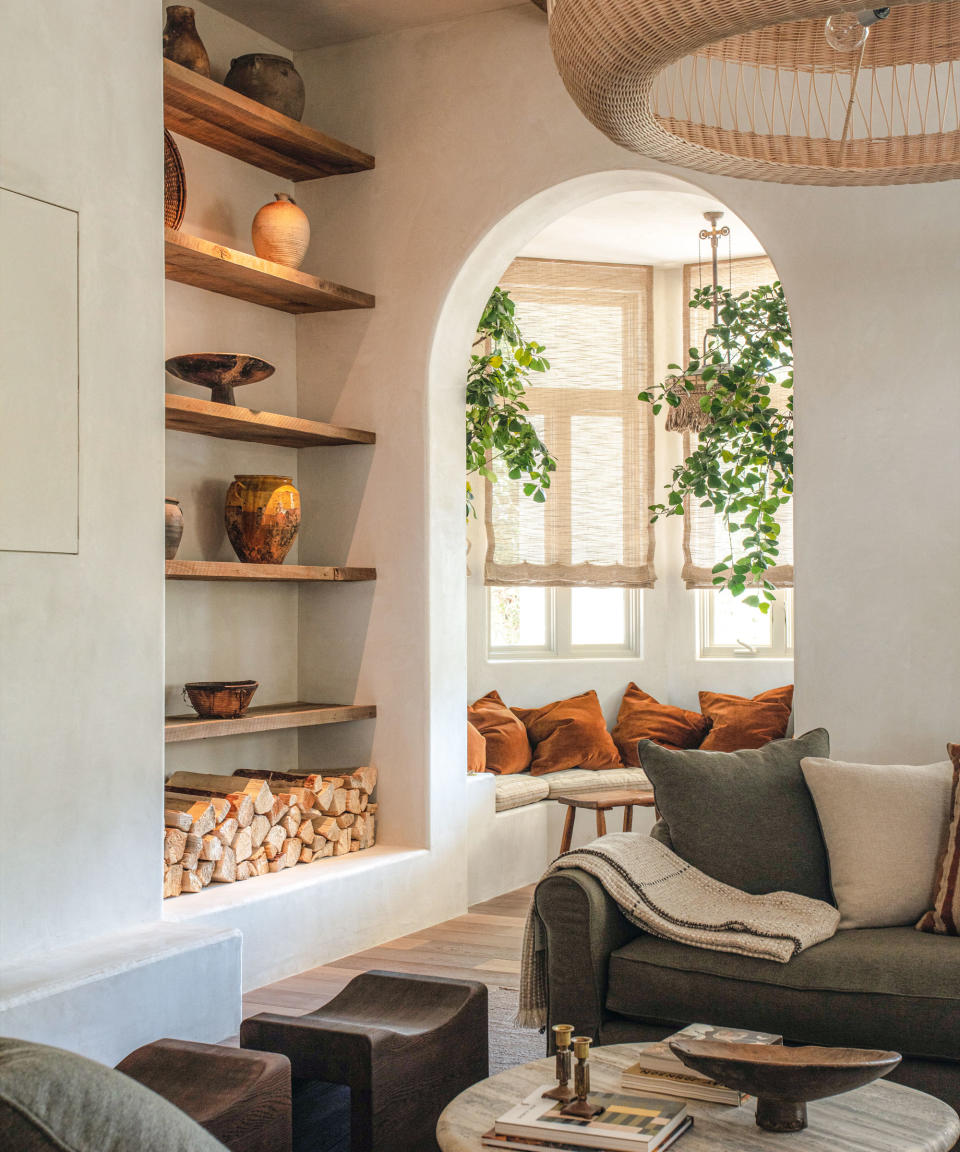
326, 827
172, 879
225, 870
259, 827
369, 839
303, 798
190, 882
189, 861
353, 800
364, 801
342, 846
258, 852
242, 845
194, 843
211, 847
366, 778
179, 820
226, 831
305, 832
292, 848
205, 871
278, 864
278, 810
174, 845
346, 820
371, 808
262, 865
354, 845
358, 829
257, 789
291, 822
306, 855
323, 795
241, 808
273, 842
201, 813
328, 850
338, 802
246, 870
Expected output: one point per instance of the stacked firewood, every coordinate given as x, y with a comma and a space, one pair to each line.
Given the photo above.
220, 829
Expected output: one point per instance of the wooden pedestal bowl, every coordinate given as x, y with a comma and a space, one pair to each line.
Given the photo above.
221, 372
220, 699
784, 1079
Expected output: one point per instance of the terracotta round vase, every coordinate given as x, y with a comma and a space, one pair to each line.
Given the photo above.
262, 516
181, 43
270, 80
281, 232
173, 526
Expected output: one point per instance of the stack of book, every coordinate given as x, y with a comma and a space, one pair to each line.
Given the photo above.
626, 1123
658, 1070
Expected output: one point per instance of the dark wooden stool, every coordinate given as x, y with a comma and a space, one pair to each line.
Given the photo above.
601, 803
241, 1098
405, 1045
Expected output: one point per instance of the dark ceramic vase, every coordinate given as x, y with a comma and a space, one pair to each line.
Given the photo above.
181, 44
270, 80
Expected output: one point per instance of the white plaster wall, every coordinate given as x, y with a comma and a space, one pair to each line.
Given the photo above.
477, 147
81, 635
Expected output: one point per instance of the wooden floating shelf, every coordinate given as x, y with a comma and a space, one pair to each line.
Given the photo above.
266, 719
215, 268
226, 422
282, 573
225, 120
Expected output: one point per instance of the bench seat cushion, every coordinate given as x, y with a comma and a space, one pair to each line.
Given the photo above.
574, 781
868, 987
520, 789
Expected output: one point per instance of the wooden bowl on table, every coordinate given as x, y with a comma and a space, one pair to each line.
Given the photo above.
784, 1079
220, 699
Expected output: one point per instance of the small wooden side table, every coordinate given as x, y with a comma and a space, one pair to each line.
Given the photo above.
602, 803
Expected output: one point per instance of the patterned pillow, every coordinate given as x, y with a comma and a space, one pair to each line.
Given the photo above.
944, 917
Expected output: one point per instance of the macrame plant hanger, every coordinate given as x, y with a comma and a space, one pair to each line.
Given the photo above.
689, 415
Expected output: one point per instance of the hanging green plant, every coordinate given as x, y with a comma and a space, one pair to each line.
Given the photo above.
499, 429
742, 465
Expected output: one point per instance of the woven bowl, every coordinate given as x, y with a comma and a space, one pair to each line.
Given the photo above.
220, 699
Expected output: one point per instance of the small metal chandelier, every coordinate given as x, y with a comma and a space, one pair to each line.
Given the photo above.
790, 91
689, 415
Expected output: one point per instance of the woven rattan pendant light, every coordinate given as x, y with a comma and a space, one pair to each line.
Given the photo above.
752, 87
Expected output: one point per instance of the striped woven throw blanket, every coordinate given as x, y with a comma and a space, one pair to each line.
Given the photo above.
667, 897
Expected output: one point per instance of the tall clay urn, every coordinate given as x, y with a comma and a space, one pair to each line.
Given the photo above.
281, 231
262, 516
181, 42
172, 527
270, 80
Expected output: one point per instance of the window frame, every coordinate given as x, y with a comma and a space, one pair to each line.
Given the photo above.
781, 630
559, 628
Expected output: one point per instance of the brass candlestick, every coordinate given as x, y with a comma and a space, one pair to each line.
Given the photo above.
563, 1091
581, 1081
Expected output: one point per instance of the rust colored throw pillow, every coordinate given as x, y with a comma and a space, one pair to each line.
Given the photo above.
508, 749
944, 917
569, 734
641, 717
738, 722
476, 750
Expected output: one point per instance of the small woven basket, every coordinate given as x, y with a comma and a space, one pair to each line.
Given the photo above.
219, 699
174, 183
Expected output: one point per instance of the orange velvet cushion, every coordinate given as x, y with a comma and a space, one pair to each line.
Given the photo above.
476, 749
569, 734
739, 722
508, 749
641, 717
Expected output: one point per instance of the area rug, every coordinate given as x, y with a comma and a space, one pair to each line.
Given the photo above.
510, 1045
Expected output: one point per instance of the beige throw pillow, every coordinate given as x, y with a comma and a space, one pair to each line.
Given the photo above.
884, 826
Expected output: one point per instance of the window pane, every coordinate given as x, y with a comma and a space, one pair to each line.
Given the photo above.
518, 617
598, 616
735, 622
596, 481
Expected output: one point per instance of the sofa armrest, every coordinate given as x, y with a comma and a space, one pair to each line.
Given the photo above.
583, 926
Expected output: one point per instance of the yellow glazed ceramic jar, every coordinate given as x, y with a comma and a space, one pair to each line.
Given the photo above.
262, 516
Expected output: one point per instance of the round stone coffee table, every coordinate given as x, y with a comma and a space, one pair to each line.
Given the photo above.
882, 1117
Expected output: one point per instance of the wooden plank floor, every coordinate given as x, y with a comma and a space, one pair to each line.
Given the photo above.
482, 945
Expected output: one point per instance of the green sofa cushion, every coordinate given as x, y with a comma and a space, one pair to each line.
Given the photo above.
745, 818
868, 987
51, 1099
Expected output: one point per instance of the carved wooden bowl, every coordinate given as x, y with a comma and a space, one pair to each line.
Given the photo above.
219, 371
784, 1079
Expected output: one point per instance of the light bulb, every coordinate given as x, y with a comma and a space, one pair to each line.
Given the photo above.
845, 33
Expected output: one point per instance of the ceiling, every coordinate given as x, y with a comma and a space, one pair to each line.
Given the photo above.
659, 228
302, 24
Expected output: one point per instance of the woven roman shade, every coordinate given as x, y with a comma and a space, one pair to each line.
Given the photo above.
594, 528
705, 541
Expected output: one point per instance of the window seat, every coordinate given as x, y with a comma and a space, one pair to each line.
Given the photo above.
521, 789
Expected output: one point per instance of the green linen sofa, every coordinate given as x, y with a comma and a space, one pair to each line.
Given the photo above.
892, 988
